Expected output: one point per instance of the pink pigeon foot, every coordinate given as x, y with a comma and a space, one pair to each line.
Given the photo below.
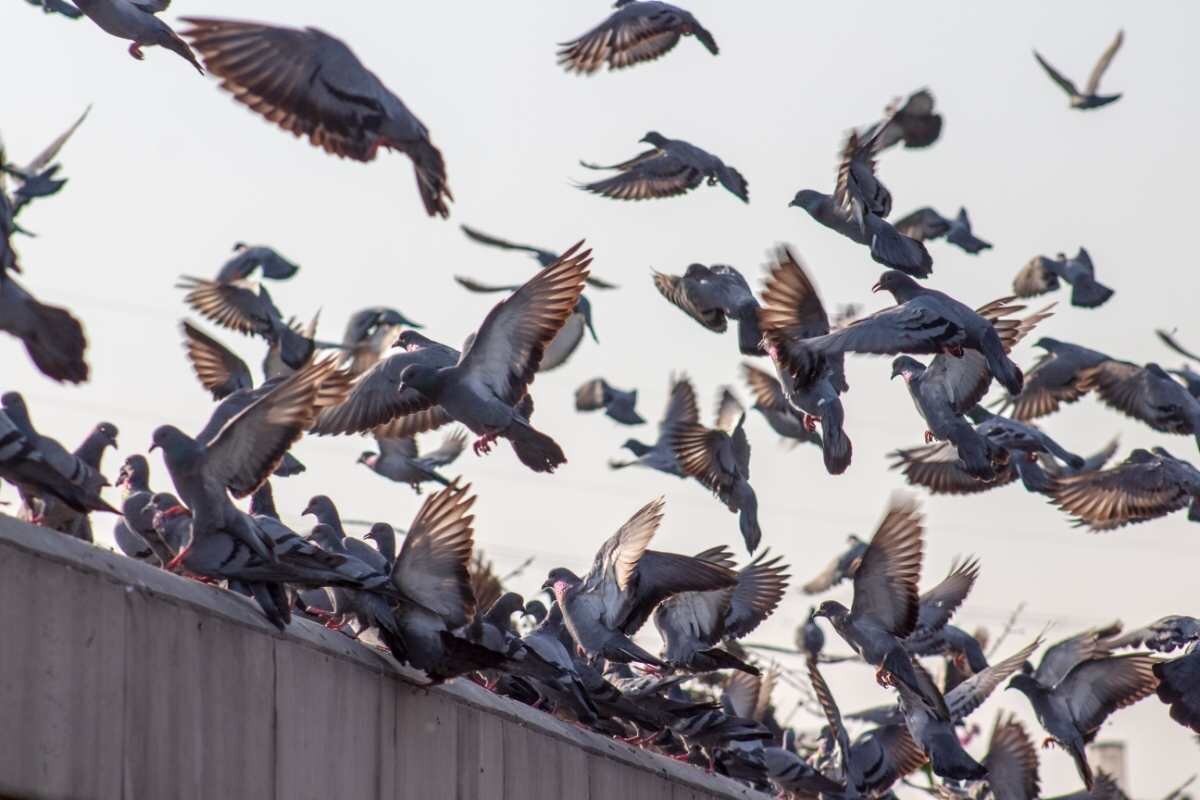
135, 50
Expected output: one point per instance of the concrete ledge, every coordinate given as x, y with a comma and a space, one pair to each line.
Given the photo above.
118, 680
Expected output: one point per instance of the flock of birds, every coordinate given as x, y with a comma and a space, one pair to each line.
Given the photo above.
432, 601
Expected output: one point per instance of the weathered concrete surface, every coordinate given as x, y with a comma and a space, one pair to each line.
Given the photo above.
118, 680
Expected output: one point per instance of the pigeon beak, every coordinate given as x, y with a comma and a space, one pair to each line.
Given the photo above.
878, 287
153, 446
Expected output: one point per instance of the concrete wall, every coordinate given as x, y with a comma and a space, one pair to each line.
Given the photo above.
118, 680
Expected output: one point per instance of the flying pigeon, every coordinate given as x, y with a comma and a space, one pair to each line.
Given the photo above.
772, 403
609, 604
1179, 687
1012, 761
1022, 438
135, 20
251, 257
1042, 275
369, 333
712, 296
544, 257
914, 123
791, 313
673, 167
681, 409
1054, 380
925, 224
1164, 635
936, 736
888, 246
52, 336
1148, 394
618, 404
639, 30
399, 459
1088, 98
1145, 486
858, 191
311, 84
842, 567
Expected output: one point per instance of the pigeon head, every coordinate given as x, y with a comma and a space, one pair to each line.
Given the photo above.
636, 447
808, 199
410, 340
161, 502
1047, 343
536, 609
901, 286
107, 433
321, 507
323, 536
367, 457
1023, 683
560, 575
505, 606
831, 610
1157, 371
384, 536
422, 378
655, 138
173, 441
908, 367
134, 472
239, 246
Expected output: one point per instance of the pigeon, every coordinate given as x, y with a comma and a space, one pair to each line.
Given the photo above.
369, 333
810, 639
135, 20
1190, 378
858, 191
791, 313
1012, 761
484, 388
57, 7
1073, 708
38, 177
618, 404
544, 257
1148, 394
323, 509
364, 607
566, 341
136, 527
1054, 379
609, 604
939, 468
52, 336
311, 84
1019, 437
772, 403
256, 257
90, 452
886, 606
925, 224
1088, 98
793, 776
1093, 463
218, 369
1164, 635
936, 736
719, 459
714, 730
841, 568
1179, 687
1145, 486
639, 30
692, 623
926, 321
681, 409
914, 123
937, 606
238, 456
399, 459
1042, 275
712, 296
672, 168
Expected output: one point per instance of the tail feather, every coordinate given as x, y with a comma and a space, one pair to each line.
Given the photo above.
1001, 366
1079, 755
535, 449
973, 452
899, 663
1033, 477
1090, 294
836, 447
177, 45
430, 170
750, 336
748, 516
893, 249
622, 649
723, 659
949, 760
56, 344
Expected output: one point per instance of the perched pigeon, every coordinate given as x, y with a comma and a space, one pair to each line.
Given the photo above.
1144, 486
712, 296
673, 167
1179, 687
693, 623
772, 403
485, 387
256, 257
1053, 380
681, 409
544, 257
927, 321
1088, 98
135, 20
1148, 394
886, 605
311, 84
618, 404
399, 460
841, 568
1073, 708
627, 581
925, 224
323, 509
719, 459
1012, 761
791, 313
39, 467
53, 337
1042, 275
914, 123
639, 30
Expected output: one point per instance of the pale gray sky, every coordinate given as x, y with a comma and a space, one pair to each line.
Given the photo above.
168, 172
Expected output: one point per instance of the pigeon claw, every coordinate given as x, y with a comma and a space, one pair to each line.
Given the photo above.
483, 444
928, 437
810, 422
955, 350
1049, 742
884, 678
135, 50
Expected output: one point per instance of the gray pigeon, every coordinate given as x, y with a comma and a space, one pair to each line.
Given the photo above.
791, 313
712, 296
135, 530
1018, 437
219, 370
1144, 486
310, 83
719, 459
691, 624
38, 177
672, 168
772, 403
483, 390
639, 30
888, 246
399, 459
49, 472
1073, 708
627, 581
1088, 98
618, 404
681, 409
886, 605
544, 257
937, 606
914, 123
251, 257
90, 452
1164, 635
326, 513
936, 736
53, 337
858, 191
841, 568
1042, 275
135, 20
57, 7
925, 224
1148, 394
793, 776
239, 455
926, 321
1054, 379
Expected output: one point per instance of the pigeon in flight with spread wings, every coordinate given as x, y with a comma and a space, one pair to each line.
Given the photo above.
673, 167
1089, 97
639, 30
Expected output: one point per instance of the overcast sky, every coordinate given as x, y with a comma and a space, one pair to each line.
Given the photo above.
168, 172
